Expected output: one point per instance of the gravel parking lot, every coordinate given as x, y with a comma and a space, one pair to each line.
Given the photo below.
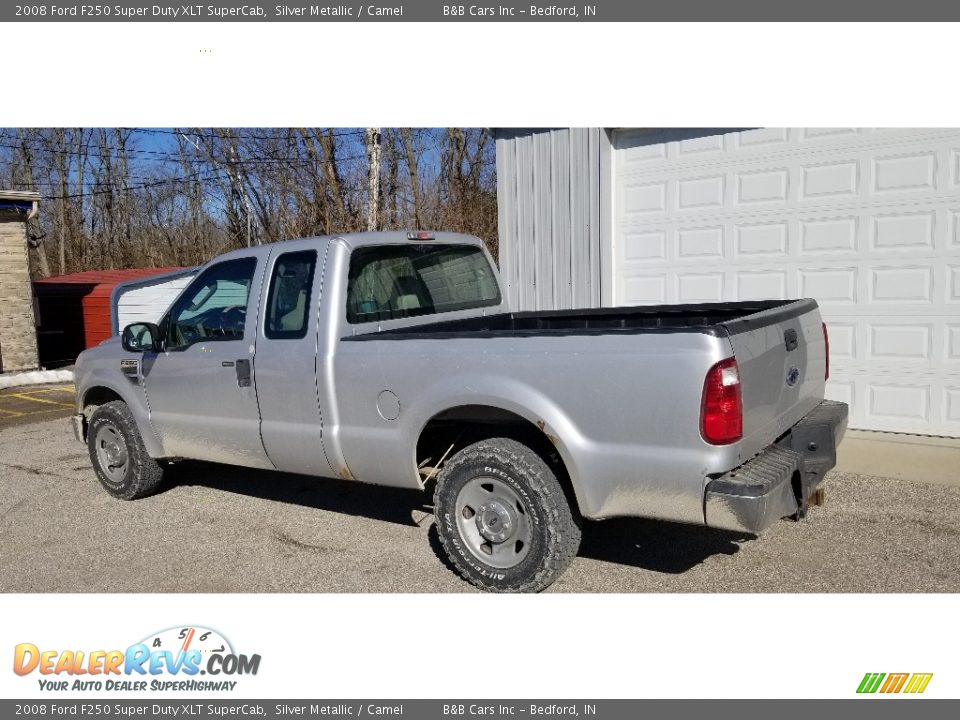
222, 529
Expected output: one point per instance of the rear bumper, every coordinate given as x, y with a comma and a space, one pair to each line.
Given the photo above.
778, 482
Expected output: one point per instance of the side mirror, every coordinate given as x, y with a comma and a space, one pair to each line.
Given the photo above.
141, 337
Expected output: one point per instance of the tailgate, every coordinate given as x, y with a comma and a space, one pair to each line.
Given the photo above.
781, 355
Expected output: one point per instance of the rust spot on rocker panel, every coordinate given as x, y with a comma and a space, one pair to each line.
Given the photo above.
345, 473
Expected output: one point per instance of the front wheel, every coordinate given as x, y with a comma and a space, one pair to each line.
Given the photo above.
503, 518
121, 462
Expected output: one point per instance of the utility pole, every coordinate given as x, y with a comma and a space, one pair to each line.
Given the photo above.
372, 136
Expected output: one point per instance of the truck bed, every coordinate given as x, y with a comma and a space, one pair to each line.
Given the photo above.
711, 318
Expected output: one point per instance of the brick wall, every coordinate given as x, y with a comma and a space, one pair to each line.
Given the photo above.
18, 336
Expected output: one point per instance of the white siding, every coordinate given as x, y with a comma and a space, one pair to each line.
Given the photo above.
865, 221
147, 303
549, 216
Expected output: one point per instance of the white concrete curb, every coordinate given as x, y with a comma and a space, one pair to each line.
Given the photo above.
35, 377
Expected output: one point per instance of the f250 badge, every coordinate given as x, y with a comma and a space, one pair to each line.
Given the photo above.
130, 368
793, 374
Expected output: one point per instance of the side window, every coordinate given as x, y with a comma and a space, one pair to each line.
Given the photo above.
289, 298
214, 306
396, 281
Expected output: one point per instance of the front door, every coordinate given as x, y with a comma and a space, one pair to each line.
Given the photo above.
201, 389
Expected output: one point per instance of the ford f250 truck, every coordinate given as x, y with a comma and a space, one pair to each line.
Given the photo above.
392, 358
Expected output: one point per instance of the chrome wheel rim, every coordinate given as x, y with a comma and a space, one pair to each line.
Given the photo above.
494, 522
112, 454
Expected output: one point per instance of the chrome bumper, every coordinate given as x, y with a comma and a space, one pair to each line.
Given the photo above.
777, 482
77, 422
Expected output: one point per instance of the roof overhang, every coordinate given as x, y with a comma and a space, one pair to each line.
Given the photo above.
22, 204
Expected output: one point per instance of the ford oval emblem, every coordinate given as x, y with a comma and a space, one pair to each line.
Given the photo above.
793, 374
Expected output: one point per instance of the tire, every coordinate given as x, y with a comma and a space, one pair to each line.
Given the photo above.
503, 518
121, 462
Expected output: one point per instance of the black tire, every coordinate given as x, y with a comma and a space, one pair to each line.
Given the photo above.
112, 425
550, 524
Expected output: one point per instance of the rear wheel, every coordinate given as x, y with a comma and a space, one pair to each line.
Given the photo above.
121, 461
503, 518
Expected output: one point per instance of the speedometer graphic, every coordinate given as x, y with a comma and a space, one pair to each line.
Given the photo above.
186, 638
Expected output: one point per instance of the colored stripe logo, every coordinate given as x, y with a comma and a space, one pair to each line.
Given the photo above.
912, 683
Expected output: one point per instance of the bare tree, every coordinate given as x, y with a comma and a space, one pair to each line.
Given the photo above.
413, 162
125, 197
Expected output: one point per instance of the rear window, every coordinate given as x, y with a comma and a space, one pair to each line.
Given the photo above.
397, 281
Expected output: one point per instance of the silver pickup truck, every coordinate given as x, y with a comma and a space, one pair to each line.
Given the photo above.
392, 358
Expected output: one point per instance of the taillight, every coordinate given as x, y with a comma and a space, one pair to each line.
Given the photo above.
721, 414
826, 353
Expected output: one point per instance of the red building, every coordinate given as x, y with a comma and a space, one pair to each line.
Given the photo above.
74, 312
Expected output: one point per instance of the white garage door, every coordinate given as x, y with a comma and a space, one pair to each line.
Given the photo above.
867, 222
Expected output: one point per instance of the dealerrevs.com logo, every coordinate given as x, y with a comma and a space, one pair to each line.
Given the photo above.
172, 659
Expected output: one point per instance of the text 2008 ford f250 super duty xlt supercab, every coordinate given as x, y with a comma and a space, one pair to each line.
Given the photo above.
392, 358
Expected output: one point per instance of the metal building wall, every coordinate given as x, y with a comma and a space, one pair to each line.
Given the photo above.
548, 196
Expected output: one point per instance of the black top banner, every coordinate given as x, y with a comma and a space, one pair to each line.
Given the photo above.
501, 11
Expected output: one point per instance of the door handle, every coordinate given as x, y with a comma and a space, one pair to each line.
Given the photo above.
790, 339
243, 373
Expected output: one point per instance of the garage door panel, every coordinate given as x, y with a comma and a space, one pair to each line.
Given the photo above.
842, 391
900, 342
902, 231
906, 172
952, 338
953, 284
843, 341
764, 137
952, 408
831, 179
865, 221
762, 186
908, 284
908, 404
646, 290
700, 242
699, 287
760, 284
832, 235
697, 193
760, 239
701, 145
831, 133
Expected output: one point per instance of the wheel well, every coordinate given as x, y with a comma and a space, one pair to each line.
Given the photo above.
97, 396
451, 430
94, 398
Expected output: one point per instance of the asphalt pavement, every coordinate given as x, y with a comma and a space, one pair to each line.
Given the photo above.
34, 403
216, 528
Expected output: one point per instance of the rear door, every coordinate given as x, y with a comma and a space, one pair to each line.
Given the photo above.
286, 363
200, 389
781, 355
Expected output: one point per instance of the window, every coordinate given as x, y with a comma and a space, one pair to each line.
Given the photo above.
396, 281
290, 295
214, 306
